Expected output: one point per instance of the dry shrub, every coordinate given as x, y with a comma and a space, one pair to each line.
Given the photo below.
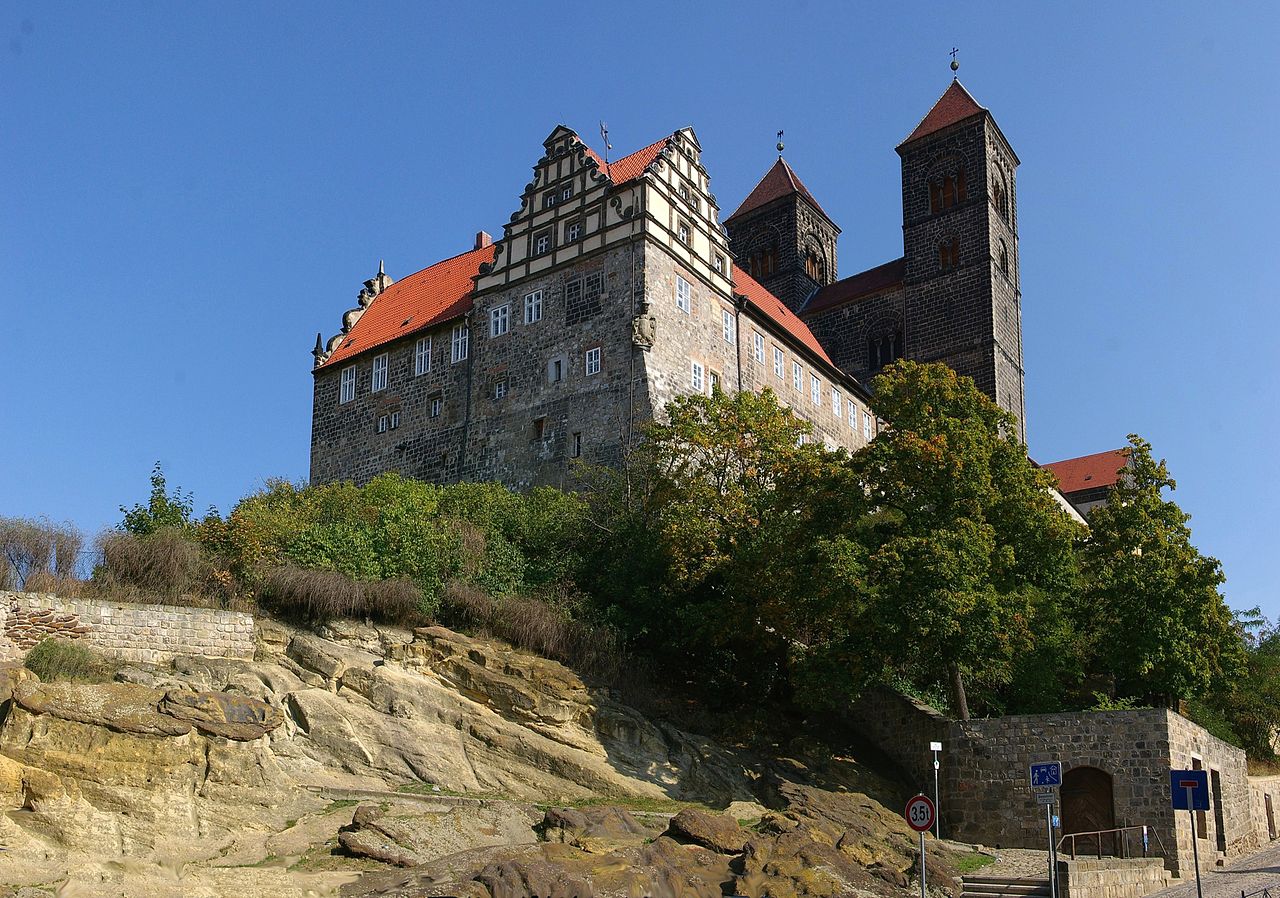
325, 595
43, 581
32, 548
164, 565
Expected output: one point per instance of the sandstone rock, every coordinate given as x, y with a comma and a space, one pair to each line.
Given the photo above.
718, 833
223, 714
123, 707
595, 829
11, 674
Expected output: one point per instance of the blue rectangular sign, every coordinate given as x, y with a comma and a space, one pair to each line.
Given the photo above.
1197, 781
1046, 775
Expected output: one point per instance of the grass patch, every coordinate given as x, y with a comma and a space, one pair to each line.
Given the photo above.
68, 661
340, 803
971, 861
631, 803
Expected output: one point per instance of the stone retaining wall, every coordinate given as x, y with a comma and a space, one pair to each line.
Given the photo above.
1111, 877
1264, 793
148, 633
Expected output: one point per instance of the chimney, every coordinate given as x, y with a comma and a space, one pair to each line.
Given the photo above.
483, 239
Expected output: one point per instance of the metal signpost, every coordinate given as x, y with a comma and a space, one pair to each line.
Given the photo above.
1189, 790
921, 814
1046, 778
936, 747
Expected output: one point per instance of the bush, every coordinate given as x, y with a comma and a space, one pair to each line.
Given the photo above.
166, 565
323, 595
32, 548
68, 660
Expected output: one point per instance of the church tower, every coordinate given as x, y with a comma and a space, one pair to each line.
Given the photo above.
960, 242
782, 238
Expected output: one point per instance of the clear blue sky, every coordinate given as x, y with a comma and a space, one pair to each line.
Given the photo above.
192, 191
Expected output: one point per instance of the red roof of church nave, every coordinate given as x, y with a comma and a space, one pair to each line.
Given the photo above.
955, 105
1089, 471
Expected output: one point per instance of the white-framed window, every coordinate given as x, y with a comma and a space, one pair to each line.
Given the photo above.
835, 402
382, 423
684, 192
499, 320
729, 325
548, 199
533, 307
778, 361
683, 233
714, 377
437, 406
757, 345
866, 426
815, 389
379, 374
500, 389
347, 384
577, 445
718, 262
395, 420
566, 192
853, 416
422, 356
461, 341
797, 377
697, 377
684, 295
542, 244
593, 361
572, 231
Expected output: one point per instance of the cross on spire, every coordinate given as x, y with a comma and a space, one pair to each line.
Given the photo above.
955, 63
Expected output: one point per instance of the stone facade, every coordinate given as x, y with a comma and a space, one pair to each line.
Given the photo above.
1111, 877
147, 633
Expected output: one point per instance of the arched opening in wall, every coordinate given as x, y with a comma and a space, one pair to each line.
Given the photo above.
815, 266
1088, 806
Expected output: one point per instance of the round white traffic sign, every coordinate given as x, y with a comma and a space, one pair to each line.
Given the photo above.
919, 813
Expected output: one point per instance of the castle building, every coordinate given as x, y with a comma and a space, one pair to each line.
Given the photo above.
614, 288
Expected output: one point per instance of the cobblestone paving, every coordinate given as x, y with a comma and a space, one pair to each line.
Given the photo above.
1019, 862
1258, 871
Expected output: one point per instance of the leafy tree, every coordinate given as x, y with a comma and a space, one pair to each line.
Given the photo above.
1144, 579
967, 548
1250, 702
163, 509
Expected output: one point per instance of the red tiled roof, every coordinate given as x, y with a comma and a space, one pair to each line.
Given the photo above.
955, 104
630, 167
1089, 471
778, 181
855, 287
432, 295
779, 313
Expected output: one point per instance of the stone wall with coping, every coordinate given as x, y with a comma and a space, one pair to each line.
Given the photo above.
1111, 877
147, 633
1264, 793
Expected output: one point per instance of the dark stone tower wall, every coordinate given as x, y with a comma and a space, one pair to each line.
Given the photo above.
968, 315
790, 227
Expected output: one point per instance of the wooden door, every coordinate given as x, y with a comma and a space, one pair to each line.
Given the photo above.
1088, 807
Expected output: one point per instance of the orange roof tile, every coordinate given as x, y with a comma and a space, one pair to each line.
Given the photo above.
628, 168
857, 286
430, 296
956, 104
778, 313
779, 181
1102, 469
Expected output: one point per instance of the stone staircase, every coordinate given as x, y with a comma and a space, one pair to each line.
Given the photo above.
1003, 887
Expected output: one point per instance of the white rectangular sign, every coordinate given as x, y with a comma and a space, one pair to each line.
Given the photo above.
935, 746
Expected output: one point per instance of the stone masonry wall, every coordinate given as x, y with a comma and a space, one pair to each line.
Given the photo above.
148, 633
1261, 788
1111, 877
902, 728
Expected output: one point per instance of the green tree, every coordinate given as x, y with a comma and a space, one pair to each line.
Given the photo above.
163, 509
1158, 626
966, 546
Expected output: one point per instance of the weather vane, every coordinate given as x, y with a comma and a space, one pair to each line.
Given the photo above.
779, 144
955, 64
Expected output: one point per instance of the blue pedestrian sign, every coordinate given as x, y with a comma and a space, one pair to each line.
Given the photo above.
1045, 776
1190, 785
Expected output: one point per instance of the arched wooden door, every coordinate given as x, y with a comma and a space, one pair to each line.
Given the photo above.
1088, 806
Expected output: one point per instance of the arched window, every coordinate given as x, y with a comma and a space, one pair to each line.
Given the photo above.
883, 347
768, 263
815, 266
1004, 257
949, 254
945, 190
1000, 194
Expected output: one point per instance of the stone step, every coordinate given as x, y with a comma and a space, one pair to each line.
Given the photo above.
1004, 887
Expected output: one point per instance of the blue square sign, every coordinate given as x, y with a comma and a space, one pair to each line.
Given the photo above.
1197, 781
1047, 775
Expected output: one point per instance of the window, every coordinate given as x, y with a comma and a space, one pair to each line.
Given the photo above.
1000, 195
815, 267
696, 377
437, 406
884, 348
500, 389
555, 371
684, 293
422, 357
683, 233
382, 424
593, 361
499, 320
835, 401
572, 231
946, 191
684, 192
866, 426
757, 346
542, 244
533, 307
566, 192
853, 416
949, 254
395, 420
461, 339
540, 428
797, 376
715, 381
548, 199
766, 262
728, 325
379, 373
347, 389
1004, 257
815, 389
778, 361
718, 262
576, 451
